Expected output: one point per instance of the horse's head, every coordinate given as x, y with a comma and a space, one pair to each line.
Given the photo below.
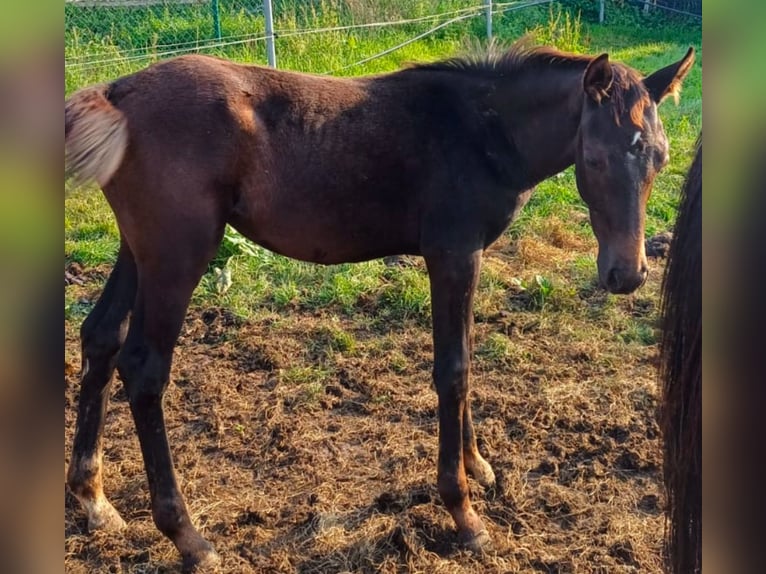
621, 146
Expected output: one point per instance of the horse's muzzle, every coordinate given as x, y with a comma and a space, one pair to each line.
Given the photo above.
622, 281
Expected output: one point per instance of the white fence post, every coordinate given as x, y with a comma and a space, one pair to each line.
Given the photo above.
488, 10
271, 54
601, 12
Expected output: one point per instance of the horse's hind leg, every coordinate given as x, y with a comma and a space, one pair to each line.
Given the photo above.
475, 465
167, 279
102, 335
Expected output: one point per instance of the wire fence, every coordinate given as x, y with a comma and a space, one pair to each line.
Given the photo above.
197, 23
110, 37
109, 31
690, 8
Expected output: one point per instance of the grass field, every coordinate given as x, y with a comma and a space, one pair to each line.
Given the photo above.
302, 415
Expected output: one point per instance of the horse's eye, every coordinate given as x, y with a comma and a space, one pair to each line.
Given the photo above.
595, 162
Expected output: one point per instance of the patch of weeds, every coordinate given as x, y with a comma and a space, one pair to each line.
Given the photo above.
77, 309
407, 295
535, 294
346, 285
92, 252
382, 399
286, 294
398, 362
490, 296
298, 375
93, 231
601, 306
638, 332
493, 277
495, 349
561, 30
312, 392
233, 248
331, 339
583, 268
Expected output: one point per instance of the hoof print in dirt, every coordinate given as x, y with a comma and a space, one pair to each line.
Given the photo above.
394, 502
623, 553
650, 504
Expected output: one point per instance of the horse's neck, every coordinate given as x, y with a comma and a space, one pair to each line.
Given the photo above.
542, 111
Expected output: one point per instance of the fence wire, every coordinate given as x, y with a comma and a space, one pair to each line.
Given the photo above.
104, 33
691, 8
110, 37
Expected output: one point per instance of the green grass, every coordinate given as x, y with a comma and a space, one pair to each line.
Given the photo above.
264, 280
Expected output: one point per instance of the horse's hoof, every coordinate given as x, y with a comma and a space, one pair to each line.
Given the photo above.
103, 516
477, 542
206, 562
484, 475
481, 471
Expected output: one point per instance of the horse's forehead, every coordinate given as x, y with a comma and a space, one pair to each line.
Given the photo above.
651, 126
637, 110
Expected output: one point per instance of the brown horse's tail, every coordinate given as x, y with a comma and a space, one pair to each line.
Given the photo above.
95, 136
681, 370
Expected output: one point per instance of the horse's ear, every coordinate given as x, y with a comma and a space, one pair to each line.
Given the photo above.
598, 78
668, 80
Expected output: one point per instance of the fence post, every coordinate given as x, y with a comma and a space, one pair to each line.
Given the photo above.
216, 20
488, 10
271, 54
601, 12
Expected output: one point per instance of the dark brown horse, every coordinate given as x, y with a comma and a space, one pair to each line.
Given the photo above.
681, 370
434, 160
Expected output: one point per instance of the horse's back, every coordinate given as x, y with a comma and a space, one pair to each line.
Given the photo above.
279, 154
316, 168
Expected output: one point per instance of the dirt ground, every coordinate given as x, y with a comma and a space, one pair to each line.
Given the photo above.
299, 454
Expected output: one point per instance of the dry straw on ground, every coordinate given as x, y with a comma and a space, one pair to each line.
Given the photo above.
306, 442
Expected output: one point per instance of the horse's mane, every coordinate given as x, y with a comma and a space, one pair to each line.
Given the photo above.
627, 94
520, 56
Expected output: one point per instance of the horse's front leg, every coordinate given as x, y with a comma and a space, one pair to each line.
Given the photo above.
453, 281
475, 465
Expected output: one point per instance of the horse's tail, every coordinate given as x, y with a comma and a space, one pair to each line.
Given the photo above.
95, 135
681, 352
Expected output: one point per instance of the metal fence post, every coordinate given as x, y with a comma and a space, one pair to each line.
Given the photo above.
601, 12
216, 20
271, 54
488, 11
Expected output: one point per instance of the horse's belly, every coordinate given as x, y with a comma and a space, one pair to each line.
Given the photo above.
328, 239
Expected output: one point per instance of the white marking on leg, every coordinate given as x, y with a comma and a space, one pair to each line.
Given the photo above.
101, 514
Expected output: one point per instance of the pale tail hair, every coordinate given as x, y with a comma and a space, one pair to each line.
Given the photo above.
95, 136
